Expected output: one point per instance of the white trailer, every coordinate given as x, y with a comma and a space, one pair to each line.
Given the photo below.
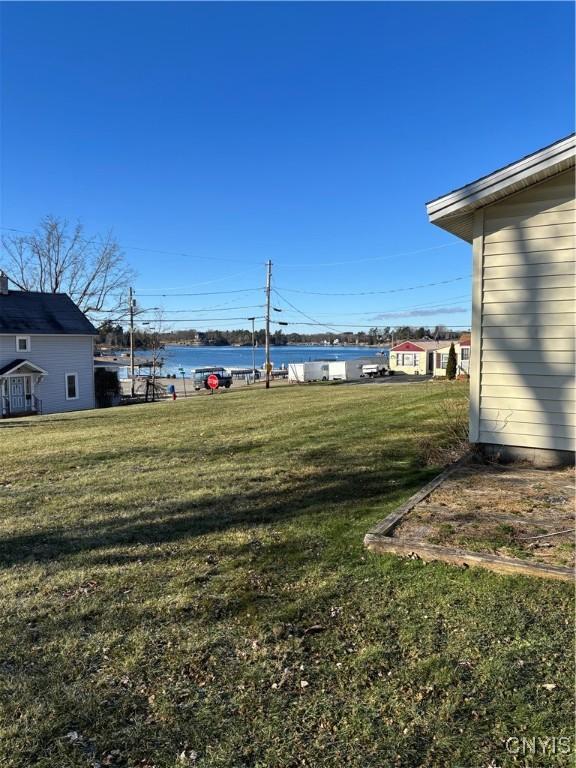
345, 370
352, 370
314, 370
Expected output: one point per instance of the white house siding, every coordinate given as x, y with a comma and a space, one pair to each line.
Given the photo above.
462, 366
523, 328
58, 355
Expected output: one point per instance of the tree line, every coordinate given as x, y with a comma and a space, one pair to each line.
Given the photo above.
115, 335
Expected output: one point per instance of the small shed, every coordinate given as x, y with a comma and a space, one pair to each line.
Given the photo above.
521, 223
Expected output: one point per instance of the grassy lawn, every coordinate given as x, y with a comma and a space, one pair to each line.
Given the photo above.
184, 584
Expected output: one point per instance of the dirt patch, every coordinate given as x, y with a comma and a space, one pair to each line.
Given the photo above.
510, 511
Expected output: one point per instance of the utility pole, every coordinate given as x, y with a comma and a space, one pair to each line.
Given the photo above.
131, 311
268, 282
253, 351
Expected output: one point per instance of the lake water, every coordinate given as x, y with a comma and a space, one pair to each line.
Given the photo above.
176, 357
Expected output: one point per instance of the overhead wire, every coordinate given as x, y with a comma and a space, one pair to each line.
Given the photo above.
355, 325
199, 293
376, 293
387, 257
128, 247
282, 298
397, 309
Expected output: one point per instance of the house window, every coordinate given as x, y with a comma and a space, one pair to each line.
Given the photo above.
407, 359
71, 386
443, 360
23, 343
465, 352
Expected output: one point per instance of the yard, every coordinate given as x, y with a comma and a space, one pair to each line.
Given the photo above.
184, 584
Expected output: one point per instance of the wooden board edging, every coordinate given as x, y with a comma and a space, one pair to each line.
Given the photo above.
379, 539
428, 552
384, 527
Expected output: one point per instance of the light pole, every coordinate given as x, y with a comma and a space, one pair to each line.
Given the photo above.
268, 286
253, 351
131, 303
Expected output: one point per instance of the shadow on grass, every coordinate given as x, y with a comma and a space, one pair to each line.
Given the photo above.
174, 520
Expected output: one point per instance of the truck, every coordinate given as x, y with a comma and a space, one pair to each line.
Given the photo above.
374, 370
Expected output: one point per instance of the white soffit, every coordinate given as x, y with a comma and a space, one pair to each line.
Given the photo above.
454, 212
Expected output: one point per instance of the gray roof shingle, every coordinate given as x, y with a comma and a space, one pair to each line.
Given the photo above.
49, 313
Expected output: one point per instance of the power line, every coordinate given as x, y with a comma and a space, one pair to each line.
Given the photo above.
204, 282
397, 309
196, 319
128, 247
188, 255
354, 325
205, 309
300, 312
202, 293
375, 293
373, 258
308, 264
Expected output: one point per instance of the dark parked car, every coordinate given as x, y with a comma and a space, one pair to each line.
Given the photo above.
200, 377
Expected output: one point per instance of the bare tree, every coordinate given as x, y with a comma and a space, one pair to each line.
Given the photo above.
154, 388
58, 257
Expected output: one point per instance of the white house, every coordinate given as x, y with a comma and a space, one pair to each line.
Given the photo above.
46, 353
462, 349
521, 221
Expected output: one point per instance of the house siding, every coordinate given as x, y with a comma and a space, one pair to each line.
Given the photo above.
523, 338
462, 366
58, 355
421, 366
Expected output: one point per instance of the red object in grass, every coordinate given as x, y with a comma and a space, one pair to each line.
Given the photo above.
213, 381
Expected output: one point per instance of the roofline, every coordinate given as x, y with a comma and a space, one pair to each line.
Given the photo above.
40, 333
401, 343
20, 363
546, 161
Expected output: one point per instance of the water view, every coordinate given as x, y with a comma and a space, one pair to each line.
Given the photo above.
176, 357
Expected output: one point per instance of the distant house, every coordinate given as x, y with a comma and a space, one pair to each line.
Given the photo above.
415, 357
521, 223
462, 349
46, 353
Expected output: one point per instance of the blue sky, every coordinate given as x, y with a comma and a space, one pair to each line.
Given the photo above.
308, 133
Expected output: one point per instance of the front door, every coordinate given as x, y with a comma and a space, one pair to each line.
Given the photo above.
17, 393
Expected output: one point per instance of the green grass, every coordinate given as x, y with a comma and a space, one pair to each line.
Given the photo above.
173, 575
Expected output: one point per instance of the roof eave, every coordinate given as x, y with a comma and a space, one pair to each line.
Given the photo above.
454, 212
9, 369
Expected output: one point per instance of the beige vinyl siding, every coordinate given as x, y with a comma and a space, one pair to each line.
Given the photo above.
534, 257
525, 276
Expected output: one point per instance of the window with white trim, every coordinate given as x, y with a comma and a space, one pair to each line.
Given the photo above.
465, 353
22, 343
443, 359
71, 386
408, 359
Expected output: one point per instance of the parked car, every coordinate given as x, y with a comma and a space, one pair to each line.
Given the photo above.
200, 377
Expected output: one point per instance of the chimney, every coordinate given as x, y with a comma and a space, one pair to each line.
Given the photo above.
3, 284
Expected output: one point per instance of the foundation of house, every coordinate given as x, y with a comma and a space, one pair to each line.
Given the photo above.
541, 458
